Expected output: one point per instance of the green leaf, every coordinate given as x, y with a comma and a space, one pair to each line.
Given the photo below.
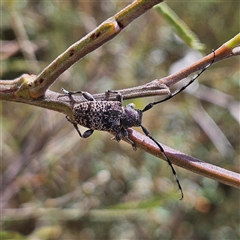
181, 28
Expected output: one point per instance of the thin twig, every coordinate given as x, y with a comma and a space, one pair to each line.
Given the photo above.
34, 90
24, 42
220, 54
100, 35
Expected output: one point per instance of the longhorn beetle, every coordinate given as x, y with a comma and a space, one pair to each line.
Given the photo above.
113, 117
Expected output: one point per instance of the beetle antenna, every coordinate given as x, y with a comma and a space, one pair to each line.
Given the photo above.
146, 132
150, 105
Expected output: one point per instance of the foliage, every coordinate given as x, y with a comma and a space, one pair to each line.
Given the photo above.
96, 188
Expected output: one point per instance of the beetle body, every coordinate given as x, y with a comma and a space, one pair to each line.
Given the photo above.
108, 116
112, 117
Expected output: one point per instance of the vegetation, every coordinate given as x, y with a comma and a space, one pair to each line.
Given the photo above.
55, 185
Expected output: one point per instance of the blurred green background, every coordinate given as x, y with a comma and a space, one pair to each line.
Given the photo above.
58, 186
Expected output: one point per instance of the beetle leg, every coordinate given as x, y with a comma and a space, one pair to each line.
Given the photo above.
75, 125
125, 134
118, 136
86, 134
70, 93
119, 96
86, 95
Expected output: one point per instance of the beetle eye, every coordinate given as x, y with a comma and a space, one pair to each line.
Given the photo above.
132, 105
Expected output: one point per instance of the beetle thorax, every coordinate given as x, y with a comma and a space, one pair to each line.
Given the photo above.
131, 117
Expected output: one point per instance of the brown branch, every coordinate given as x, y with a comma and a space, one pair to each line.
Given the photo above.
187, 162
221, 53
33, 90
18, 90
102, 34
